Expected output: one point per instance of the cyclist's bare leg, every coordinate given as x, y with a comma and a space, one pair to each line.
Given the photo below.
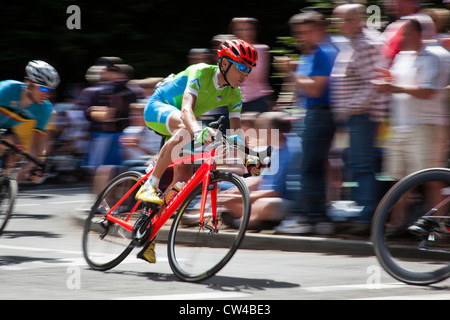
181, 173
171, 148
10, 160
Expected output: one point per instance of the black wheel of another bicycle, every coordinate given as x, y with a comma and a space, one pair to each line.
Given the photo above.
418, 252
8, 194
106, 244
198, 252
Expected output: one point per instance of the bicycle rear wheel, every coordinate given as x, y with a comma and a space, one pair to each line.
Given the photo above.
420, 255
198, 252
106, 244
8, 194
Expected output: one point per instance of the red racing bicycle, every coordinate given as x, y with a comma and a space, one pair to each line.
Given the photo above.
118, 222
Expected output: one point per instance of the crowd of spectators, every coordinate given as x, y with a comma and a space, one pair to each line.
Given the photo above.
366, 108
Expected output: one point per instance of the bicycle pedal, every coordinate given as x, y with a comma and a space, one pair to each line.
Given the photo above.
150, 206
142, 230
418, 231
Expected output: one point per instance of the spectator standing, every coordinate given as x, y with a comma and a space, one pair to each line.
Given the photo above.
108, 113
416, 81
311, 76
138, 145
400, 9
256, 91
357, 104
96, 79
441, 19
199, 55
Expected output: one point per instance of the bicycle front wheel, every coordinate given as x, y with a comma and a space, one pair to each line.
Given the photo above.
197, 252
419, 255
106, 244
8, 194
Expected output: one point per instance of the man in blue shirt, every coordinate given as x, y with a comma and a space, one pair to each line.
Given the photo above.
310, 75
27, 101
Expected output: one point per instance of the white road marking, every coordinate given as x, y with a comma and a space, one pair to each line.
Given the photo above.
15, 248
60, 262
50, 203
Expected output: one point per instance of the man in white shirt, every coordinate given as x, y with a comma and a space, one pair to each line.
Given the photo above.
416, 80
419, 116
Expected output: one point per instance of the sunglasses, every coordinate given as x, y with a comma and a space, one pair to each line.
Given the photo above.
46, 89
241, 67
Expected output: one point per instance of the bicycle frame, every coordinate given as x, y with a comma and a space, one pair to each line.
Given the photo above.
201, 175
18, 149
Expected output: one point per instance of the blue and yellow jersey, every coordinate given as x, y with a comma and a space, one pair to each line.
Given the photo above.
12, 115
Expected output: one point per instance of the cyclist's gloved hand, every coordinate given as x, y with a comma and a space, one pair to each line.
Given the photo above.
253, 165
205, 136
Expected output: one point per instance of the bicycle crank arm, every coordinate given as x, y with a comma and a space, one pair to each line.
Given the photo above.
212, 229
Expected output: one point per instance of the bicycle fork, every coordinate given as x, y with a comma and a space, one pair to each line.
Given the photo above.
212, 190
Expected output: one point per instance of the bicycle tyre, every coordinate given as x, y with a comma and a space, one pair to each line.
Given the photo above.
184, 244
106, 244
387, 256
9, 190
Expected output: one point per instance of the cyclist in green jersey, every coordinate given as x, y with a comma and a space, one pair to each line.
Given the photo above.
173, 108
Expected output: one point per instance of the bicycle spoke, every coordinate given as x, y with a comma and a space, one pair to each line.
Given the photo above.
199, 249
105, 243
8, 195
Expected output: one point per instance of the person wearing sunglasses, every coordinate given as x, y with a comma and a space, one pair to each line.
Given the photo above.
28, 102
178, 100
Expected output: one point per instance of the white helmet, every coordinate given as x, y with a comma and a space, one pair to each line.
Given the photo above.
41, 72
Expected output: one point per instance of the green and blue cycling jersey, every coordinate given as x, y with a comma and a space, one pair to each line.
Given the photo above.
200, 80
12, 114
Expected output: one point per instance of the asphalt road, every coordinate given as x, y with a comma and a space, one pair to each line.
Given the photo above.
41, 258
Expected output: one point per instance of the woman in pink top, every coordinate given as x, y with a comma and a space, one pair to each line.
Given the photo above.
256, 90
